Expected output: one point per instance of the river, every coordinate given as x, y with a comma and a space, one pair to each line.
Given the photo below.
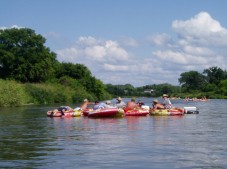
29, 139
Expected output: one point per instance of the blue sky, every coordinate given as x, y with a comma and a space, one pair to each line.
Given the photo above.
139, 42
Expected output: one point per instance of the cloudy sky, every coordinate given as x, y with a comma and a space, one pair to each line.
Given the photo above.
139, 42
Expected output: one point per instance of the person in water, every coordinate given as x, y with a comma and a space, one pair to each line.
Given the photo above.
131, 104
120, 103
108, 104
157, 105
140, 103
99, 105
84, 105
166, 102
62, 109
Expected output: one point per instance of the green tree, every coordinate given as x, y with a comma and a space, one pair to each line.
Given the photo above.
115, 90
215, 75
24, 57
94, 86
192, 80
210, 87
223, 87
83, 75
76, 71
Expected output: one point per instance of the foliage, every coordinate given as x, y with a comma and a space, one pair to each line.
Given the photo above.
83, 78
48, 93
76, 71
115, 90
80, 92
192, 80
223, 87
24, 57
12, 93
95, 86
156, 90
215, 75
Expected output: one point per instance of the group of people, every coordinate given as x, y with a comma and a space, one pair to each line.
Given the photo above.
119, 104
130, 105
166, 104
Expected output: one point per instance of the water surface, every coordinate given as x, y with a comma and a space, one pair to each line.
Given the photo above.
29, 139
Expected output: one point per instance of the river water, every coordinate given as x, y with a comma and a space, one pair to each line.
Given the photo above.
29, 139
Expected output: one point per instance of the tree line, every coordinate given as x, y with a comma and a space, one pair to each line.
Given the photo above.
25, 59
211, 83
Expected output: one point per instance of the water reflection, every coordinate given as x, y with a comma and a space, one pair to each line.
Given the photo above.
23, 136
29, 139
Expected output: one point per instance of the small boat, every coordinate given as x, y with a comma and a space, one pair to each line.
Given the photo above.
167, 112
137, 112
104, 112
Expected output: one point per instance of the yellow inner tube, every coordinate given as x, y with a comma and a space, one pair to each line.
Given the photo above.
77, 113
160, 112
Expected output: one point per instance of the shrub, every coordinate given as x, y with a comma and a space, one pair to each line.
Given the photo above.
12, 93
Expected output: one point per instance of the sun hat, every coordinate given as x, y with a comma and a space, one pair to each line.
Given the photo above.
165, 95
108, 102
155, 101
119, 98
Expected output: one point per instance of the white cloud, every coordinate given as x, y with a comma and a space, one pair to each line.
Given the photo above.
87, 41
14, 26
96, 52
110, 67
197, 51
202, 28
200, 43
160, 39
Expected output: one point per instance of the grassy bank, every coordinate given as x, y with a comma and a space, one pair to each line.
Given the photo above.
13, 93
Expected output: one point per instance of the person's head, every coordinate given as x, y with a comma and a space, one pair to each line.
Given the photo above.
165, 96
119, 99
133, 99
108, 102
85, 100
155, 101
96, 102
140, 103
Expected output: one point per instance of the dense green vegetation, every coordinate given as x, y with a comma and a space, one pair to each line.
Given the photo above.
27, 65
30, 73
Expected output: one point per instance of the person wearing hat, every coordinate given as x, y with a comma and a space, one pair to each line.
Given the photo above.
166, 102
157, 105
120, 103
108, 104
84, 105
